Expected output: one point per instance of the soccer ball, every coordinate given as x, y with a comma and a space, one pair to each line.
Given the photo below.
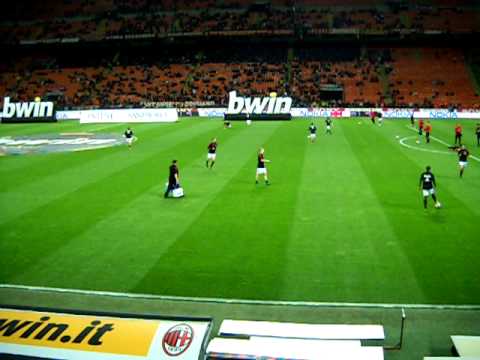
418, 141
438, 205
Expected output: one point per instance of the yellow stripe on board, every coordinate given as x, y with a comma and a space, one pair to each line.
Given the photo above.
77, 332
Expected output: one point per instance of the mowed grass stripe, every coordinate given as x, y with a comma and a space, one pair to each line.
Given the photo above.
444, 166
62, 218
441, 256
334, 244
236, 248
9, 164
83, 168
25, 169
132, 239
35, 128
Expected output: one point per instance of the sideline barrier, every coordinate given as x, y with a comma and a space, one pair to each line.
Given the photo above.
119, 116
75, 336
388, 113
171, 115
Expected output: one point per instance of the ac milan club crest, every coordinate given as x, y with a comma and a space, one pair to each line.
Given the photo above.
177, 339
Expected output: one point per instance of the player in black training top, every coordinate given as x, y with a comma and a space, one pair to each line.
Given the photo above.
173, 178
328, 126
212, 152
313, 132
261, 169
463, 154
128, 136
427, 185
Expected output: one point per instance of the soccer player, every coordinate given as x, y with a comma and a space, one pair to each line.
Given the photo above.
328, 126
261, 169
212, 153
477, 131
173, 178
427, 185
463, 154
372, 116
420, 127
412, 120
458, 134
428, 130
313, 132
420, 130
227, 125
129, 137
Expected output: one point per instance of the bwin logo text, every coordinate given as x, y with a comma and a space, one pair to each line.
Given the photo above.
31, 109
257, 105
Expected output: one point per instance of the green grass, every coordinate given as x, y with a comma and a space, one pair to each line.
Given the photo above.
341, 222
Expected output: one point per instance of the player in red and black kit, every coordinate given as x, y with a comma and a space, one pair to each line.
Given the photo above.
458, 134
212, 153
373, 115
261, 169
428, 130
420, 127
173, 178
463, 154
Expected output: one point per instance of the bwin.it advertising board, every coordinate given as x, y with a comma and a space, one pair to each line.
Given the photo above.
26, 112
30, 334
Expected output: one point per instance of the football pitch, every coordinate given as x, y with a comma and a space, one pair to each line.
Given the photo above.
342, 220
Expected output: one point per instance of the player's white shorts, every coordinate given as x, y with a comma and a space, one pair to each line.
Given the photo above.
427, 192
329, 127
249, 121
312, 136
463, 163
261, 171
129, 140
211, 156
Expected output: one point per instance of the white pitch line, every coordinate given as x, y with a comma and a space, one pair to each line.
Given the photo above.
402, 142
237, 301
441, 142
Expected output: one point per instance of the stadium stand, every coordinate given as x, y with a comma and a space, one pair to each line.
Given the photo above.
416, 77
108, 18
419, 77
361, 76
